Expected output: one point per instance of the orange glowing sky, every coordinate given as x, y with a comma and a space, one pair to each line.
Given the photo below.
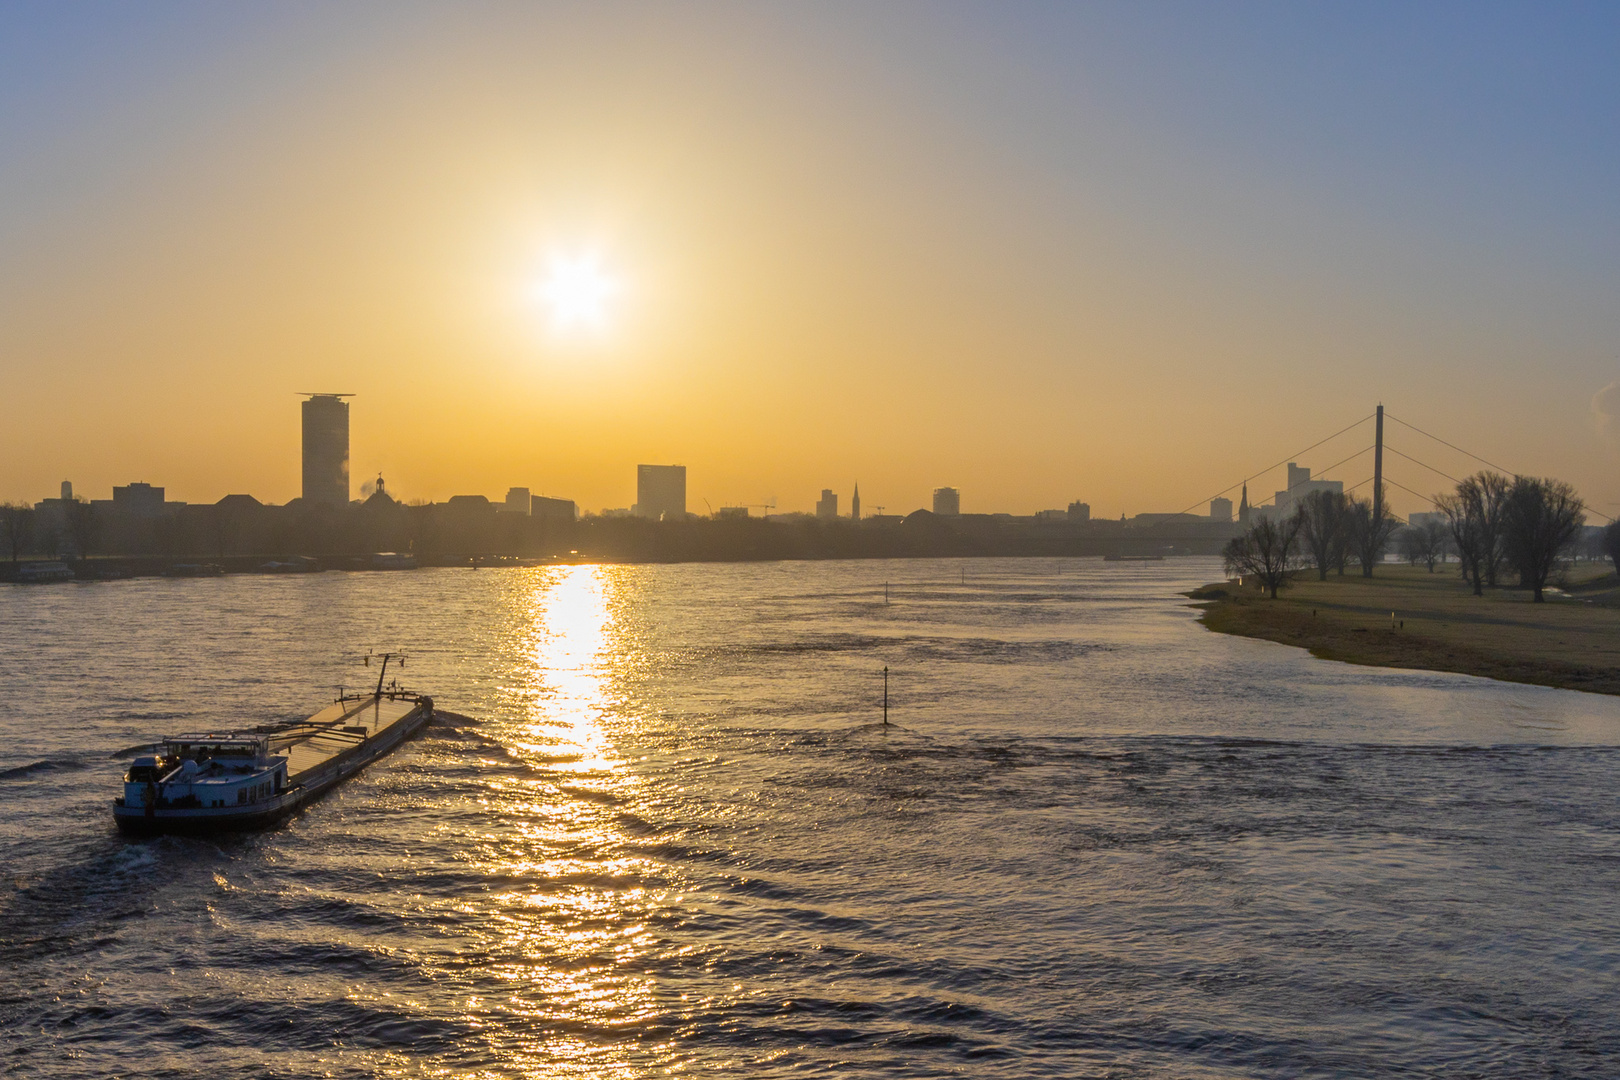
1126, 254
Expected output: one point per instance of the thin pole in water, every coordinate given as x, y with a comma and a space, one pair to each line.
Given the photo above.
885, 695
885, 598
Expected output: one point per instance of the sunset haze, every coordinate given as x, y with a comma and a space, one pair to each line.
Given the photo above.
1039, 253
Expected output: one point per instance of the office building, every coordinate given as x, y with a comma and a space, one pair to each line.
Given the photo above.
1220, 510
326, 449
138, 500
1079, 511
541, 506
855, 504
1300, 485
517, 501
827, 507
947, 502
661, 492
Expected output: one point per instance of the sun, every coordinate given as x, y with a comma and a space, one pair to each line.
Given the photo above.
578, 291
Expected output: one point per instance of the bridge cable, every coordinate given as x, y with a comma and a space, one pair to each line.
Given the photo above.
1415, 461
1284, 461
1454, 446
1323, 474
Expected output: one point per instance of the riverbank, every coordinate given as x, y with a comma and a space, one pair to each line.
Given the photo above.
1407, 617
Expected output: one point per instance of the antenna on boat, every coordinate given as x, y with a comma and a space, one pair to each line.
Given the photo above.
381, 675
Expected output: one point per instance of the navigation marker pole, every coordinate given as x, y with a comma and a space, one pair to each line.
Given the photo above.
885, 695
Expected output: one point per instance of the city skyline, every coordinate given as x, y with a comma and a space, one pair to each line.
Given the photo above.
661, 490
1092, 252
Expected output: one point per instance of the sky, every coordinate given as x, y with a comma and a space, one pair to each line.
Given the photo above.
1128, 254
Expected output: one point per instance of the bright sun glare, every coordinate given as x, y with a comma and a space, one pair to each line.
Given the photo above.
578, 290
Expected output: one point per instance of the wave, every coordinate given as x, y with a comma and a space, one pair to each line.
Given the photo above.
45, 765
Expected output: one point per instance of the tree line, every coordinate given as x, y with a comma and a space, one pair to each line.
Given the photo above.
1495, 525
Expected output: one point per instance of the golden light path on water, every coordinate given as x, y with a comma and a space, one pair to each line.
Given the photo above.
567, 917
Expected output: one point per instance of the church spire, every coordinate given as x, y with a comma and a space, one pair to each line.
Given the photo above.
1243, 507
855, 503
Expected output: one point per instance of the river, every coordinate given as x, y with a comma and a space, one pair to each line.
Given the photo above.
673, 835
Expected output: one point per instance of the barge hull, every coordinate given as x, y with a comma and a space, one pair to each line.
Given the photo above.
324, 750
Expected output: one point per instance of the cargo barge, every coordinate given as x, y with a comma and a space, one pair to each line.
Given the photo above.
231, 780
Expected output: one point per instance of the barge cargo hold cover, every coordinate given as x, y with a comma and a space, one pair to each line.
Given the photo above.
208, 781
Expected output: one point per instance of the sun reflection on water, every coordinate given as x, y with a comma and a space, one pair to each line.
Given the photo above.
565, 980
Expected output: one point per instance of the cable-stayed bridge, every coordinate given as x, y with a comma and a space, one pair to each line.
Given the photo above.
1369, 461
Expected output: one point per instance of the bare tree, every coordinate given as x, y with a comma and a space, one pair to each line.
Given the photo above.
1322, 520
1541, 518
1466, 536
1486, 493
1369, 533
1425, 543
16, 524
1265, 552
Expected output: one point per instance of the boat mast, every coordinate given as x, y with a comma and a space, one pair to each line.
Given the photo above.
387, 656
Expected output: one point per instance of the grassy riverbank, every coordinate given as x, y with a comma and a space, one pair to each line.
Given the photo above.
1571, 641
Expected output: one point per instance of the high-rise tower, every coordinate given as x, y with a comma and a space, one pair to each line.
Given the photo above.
661, 492
855, 504
326, 449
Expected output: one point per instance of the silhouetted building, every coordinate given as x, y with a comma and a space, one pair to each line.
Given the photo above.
947, 502
855, 504
1220, 509
517, 501
380, 499
138, 500
661, 492
1243, 508
542, 506
731, 512
1079, 511
827, 507
1300, 485
326, 449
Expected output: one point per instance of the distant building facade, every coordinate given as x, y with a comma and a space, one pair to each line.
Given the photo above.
326, 449
1079, 511
542, 506
1220, 510
661, 492
138, 500
1300, 485
827, 505
517, 501
947, 502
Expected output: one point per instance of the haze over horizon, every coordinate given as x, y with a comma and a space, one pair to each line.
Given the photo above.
1122, 254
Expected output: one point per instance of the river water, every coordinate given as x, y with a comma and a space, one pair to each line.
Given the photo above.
673, 836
